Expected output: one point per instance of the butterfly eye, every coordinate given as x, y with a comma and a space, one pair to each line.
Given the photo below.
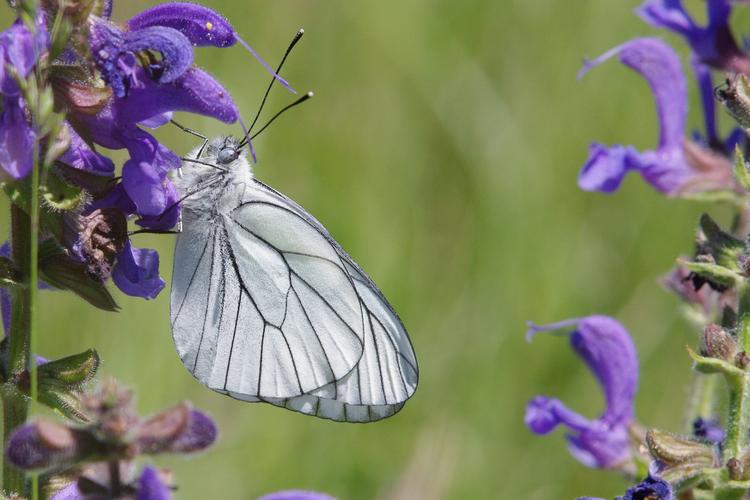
227, 155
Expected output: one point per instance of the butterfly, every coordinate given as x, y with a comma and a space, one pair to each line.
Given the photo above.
267, 307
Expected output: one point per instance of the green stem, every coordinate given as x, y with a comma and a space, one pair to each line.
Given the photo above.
15, 404
702, 399
738, 421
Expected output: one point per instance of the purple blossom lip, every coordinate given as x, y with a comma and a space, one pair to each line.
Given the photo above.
607, 349
20, 50
665, 167
713, 43
200, 25
676, 166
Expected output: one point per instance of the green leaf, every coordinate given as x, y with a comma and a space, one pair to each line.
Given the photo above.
62, 272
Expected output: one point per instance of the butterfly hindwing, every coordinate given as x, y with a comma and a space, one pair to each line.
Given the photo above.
289, 318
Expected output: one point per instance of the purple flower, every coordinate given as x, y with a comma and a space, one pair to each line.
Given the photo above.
607, 349
81, 156
20, 50
202, 26
651, 488
676, 166
150, 486
137, 272
709, 430
713, 43
296, 495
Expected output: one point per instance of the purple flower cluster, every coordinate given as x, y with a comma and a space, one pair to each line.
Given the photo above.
680, 165
114, 81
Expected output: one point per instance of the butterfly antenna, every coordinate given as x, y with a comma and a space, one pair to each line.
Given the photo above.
281, 112
295, 40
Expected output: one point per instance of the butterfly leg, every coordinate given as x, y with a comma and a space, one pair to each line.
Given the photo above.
192, 132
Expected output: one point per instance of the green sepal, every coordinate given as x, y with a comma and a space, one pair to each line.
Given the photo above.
741, 171
724, 247
62, 272
61, 196
10, 275
713, 272
709, 366
716, 196
61, 382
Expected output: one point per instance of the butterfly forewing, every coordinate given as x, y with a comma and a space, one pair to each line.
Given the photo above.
289, 318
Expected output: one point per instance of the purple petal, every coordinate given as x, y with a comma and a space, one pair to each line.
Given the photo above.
606, 167
70, 492
544, 414
201, 25
16, 140
115, 198
651, 488
200, 433
106, 9
194, 92
669, 14
665, 168
712, 43
168, 218
600, 449
80, 155
115, 52
144, 174
296, 495
20, 49
175, 48
706, 86
150, 486
709, 430
157, 121
137, 272
660, 65
608, 351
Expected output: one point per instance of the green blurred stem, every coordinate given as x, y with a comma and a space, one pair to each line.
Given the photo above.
738, 421
15, 404
702, 399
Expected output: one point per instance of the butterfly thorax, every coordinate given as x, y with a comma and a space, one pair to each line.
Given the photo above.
209, 186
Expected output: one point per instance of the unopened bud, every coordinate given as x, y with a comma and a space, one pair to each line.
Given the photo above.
718, 343
44, 444
735, 96
742, 360
673, 450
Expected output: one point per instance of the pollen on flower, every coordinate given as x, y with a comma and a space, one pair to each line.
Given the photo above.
209, 25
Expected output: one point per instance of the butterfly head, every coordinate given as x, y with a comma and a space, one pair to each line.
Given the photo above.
228, 149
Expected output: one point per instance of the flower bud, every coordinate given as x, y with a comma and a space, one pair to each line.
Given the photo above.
673, 450
718, 343
44, 444
735, 96
176, 430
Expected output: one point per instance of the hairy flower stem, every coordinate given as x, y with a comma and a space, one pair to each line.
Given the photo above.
15, 404
738, 420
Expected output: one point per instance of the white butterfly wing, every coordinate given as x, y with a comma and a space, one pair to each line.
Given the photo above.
266, 306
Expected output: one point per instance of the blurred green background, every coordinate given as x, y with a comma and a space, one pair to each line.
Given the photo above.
441, 150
